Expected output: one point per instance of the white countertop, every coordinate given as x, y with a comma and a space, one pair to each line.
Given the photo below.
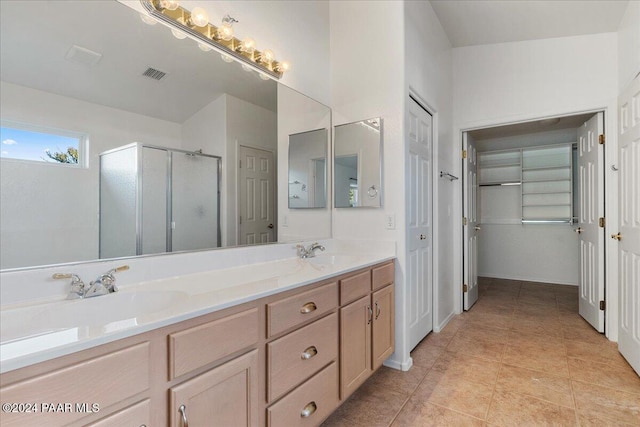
38, 331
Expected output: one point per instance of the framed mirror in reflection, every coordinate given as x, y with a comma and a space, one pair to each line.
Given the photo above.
135, 142
308, 169
357, 159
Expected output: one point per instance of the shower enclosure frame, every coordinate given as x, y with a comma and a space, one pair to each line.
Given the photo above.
169, 192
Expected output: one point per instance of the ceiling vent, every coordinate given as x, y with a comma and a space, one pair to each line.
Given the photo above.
82, 55
154, 74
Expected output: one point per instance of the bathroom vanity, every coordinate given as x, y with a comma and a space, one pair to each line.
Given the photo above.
282, 351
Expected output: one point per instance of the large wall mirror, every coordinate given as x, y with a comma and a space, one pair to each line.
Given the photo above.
357, 164
119, 139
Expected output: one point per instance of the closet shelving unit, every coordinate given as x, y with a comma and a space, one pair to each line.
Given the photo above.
544, 174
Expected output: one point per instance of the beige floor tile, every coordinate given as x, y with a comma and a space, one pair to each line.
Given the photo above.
463, 367
501, 308
546, 343
538, 384
512, 409
536, 358
470, 398
600, 402
479, 319
474, 331
369, 407
584, 333
619, 378
592, 421
439, 339
537, 310
478, 348
537, 325
606, 352
429, 415
393, 379
426, 353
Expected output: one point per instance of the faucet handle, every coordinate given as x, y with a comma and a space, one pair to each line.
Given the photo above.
119, 269
77, 285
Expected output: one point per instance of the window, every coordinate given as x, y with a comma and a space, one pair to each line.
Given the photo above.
24, 142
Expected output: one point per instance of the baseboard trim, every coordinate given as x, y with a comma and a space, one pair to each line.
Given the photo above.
527, 279
445, 322
400, 366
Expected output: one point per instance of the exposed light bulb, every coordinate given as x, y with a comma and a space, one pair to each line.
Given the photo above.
284, 66
199, 17
203, 47
226, 58
263, 76
169, 4
267, 56
147, 19
225, 31
178, 34
247, 68
248, 45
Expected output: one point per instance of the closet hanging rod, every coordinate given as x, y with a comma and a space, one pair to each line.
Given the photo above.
448, 176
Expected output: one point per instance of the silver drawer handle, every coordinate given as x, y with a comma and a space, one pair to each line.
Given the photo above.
183, 411
308, 410
309, 353
377, 310
308, 308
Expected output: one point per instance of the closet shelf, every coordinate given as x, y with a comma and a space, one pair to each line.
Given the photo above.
529, 205
499, 183
545, 168
525, 181
531, 193
498, 165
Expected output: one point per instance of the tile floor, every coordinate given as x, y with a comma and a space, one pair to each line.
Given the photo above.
522, 356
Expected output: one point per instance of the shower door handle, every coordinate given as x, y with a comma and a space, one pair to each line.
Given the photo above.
270, 226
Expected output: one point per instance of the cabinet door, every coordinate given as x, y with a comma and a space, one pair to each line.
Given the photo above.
355, 345
133, 416
383, 325
224, 396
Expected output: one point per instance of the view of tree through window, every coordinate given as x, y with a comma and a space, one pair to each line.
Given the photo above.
39, 146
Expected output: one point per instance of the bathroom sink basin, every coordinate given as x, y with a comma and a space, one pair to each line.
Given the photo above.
105, 312
334, 259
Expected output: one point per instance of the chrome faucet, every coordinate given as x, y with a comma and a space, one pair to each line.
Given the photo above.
103, 285
310, 251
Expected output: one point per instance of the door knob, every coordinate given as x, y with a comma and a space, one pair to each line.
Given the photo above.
477, 228
617, 237
270, 226
578, 230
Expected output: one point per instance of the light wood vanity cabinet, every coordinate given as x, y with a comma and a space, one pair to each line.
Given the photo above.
366, 329
287, 359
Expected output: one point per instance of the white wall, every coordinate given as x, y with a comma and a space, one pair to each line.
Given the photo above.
297, 114
629, 45
33, 195
510, 82
428, 72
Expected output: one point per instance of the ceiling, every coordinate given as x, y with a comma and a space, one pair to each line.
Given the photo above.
476, 22
35, 39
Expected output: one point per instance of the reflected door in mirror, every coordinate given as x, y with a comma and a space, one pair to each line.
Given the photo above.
256, 198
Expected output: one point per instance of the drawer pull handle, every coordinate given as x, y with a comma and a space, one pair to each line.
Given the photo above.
183, 411
308, 410
308, 308
309, 353
370, 315
377, 310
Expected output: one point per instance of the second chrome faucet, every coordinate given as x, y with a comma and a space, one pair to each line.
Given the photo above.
103, 285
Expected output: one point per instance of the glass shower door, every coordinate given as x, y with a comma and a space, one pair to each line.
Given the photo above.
195, 204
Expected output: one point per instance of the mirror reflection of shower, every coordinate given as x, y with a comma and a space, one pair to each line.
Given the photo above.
158, 199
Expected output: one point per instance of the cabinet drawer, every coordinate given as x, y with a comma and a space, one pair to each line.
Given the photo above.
383, 276
300, 354
196, 347
309, 404
133, 416
104, 380
297, 309
355, 287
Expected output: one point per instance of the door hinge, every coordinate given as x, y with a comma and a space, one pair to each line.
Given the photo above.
464, 221
464, 154
603, 305
601, 221
465, 288
601, 139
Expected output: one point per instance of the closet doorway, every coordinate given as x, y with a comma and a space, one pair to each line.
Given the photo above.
533, 206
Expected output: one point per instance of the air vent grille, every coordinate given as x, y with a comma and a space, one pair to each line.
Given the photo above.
154, 74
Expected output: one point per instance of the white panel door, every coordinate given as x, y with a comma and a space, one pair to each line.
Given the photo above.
471, 226
419, 223
591, 208
629, 243
256, 196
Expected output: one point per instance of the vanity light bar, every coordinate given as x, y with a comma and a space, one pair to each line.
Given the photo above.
180, 18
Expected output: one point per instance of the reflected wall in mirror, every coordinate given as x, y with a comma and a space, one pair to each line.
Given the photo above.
357, 159
308, 169
112, 81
